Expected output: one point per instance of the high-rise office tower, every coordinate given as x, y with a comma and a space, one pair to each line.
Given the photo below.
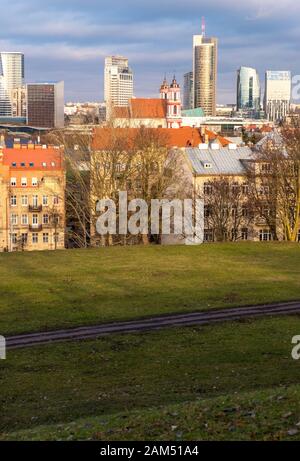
248, 90
45, 105
188, 90
205, 62
118, 82
278, 88
11, 77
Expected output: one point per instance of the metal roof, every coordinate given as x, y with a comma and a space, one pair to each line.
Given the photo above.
220, 161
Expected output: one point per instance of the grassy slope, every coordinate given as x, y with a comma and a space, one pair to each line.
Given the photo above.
60, 289
272, 414
239, 379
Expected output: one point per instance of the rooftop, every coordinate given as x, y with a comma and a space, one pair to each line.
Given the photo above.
224, 161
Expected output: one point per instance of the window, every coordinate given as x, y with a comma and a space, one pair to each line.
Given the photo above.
45, 238
34, 181
55, 200
35, 200
31, 164
35, 220
44, 164
24, 200
24, 239
208, 235
14, 164
24, 219
265, 235
23, 164
207, 189
24, 182
14, 219
245, 234
207, 211
52, 163
14, 239
13, 182
45, 200
13, 200
245, 212
35, 238
234, 235
45, 219
245, 189
265, 167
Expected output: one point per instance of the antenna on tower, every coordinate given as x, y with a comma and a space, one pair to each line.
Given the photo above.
203, 26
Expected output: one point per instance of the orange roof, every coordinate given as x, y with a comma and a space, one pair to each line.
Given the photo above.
33, 159
104, 138
143, 108
215, 137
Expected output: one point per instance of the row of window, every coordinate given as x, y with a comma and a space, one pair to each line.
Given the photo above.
14, 219
209, 187
265, 235
24, 182
244, 235
31, 164
23, 239
35, 200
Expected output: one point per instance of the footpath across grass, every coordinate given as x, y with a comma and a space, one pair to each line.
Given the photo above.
236, 380
42, 291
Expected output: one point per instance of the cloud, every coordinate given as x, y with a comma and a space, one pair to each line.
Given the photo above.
69, 39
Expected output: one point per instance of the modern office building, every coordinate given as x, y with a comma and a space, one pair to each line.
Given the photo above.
118, 82
19, 102
248, 91
205, 57
45, 105
188, 90
278, 88
11, 77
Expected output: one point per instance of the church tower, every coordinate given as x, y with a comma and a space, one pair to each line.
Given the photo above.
172, 94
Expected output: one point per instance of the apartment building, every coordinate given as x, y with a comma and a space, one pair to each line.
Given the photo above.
32, 198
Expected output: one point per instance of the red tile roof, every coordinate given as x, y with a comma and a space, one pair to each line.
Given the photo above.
104, 138
143, 108
36, 156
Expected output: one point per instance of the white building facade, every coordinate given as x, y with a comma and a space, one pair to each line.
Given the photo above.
12, 71
118, 82
277, 95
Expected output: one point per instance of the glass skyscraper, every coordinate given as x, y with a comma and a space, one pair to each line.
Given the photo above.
11, 78
248, 90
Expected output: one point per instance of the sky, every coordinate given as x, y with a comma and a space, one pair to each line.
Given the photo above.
68, 39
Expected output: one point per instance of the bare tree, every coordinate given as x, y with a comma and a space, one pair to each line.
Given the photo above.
275, 184
228, 211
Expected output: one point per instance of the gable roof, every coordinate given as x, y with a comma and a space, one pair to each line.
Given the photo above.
181, 137
143, 108
222, 161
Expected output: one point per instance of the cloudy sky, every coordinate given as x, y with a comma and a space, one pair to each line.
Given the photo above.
68, 39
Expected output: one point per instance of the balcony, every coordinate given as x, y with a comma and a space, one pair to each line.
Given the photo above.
35, 227
35, 208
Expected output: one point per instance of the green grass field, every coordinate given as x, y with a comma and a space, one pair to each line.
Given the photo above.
41, 291
232, 381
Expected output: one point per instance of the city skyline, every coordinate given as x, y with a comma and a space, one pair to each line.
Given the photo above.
156, 38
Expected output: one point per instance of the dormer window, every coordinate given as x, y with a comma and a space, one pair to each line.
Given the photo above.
44, 164
14, 164
23, 164
31, 164
52, 163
